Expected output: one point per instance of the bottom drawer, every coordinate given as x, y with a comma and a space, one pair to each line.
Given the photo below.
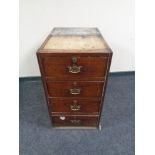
71, 121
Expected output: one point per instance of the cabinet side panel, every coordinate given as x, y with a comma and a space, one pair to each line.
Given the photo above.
105, 85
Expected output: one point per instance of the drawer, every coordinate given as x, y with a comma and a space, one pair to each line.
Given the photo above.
74, 88
67, 120
74, 105
74, 67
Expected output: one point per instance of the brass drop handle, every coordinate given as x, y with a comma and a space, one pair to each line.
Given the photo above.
75, 91
75, 107
74, 68
75, 121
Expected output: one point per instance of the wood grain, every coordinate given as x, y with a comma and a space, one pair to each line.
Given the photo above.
62, 88
63, 105
57, 67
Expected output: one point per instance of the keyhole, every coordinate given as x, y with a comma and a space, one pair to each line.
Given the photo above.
74, 60
74, 83
75, 101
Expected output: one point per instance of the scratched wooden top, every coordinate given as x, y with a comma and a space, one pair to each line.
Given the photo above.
75, 39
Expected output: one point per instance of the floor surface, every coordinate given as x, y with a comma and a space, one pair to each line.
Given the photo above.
116, 137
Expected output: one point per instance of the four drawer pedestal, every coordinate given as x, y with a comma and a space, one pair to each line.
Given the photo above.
74, 79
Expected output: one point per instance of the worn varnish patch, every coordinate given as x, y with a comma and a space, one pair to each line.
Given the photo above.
75, 42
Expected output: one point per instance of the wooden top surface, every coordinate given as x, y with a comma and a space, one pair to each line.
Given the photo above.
79, 39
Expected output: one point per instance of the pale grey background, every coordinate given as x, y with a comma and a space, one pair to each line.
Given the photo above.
114, 18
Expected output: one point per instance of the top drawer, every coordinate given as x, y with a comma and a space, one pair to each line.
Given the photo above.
74, 67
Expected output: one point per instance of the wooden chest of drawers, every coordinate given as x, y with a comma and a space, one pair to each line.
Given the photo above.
74, 65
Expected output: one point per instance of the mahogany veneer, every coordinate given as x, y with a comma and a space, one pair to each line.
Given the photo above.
74, 65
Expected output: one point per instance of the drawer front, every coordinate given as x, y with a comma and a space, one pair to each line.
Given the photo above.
74, 67
74, 120
74, 89
74, 105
